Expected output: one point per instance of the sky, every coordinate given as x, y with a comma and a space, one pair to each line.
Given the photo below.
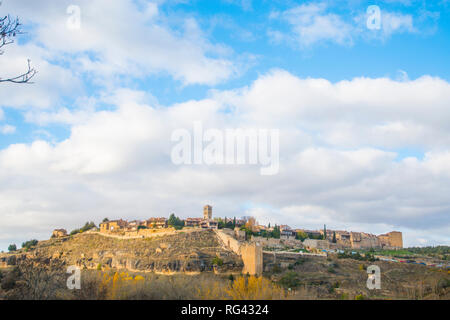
361, 102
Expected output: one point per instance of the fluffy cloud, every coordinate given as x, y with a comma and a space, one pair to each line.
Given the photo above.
311, 23
315, 23
7, 129
117, 163
129, 38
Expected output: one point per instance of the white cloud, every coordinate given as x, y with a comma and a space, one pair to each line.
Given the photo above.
315, 23
51, 83
312, 24
396, 23
116, 163
124, 40
7, 129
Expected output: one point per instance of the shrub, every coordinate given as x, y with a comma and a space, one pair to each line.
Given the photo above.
276, 269
74, 232
29, 244
290, 280
359, 297
217, 261
344, 296
254, 288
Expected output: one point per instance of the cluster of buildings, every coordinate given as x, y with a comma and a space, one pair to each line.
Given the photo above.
123, 225
320, 239
205, 222
340, 239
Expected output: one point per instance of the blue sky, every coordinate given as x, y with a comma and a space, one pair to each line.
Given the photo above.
195, 59
242, 27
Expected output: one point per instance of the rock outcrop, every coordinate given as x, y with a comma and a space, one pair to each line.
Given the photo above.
185, 252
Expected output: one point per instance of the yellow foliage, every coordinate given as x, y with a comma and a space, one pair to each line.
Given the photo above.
115, 284
254, 288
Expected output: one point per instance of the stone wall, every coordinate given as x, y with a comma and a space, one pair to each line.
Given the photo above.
316, 244
251, 253
227, 239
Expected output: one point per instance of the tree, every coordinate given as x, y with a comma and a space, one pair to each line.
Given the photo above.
221, 224
276, 232
175, 222
105, 220
334, 237
12, 247
29, 244
88, 226
301, 235
9, 29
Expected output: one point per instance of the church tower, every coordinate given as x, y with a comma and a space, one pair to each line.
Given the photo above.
207, 212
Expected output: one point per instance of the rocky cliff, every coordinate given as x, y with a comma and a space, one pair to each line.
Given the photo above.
187, 252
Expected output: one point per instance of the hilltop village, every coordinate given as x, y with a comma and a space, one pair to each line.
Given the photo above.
247, 229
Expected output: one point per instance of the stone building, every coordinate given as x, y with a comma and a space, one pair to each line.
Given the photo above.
393, 239
207, 212
112, 226
362, 240
59, 233
156, 223
209, 224
193, 222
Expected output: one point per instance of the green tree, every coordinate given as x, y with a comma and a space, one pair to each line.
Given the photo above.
29, 244
175, 222
276, 232
217, 261
88, 226
334, 237
12, 247
301, 235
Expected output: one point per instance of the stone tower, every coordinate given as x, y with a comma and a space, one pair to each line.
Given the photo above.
395, 239
207, 212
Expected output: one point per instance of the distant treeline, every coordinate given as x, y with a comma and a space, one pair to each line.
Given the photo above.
426, 250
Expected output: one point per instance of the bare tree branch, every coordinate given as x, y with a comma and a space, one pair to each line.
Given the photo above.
10, 28
24, 77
